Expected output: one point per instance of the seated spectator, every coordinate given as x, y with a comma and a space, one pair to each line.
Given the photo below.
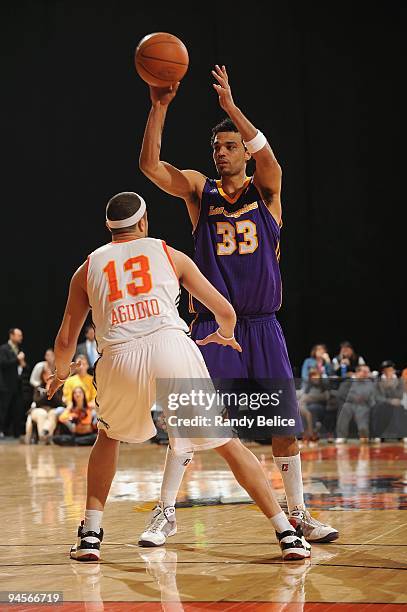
319, 360
36, 374
344, 364
80, 379
78, 423
89, 348
313, 400
358, 395
389, 415
43, 411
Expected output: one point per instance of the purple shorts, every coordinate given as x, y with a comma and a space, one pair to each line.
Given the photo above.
264, 360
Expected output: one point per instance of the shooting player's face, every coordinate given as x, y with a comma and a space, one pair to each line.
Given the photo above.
229, 153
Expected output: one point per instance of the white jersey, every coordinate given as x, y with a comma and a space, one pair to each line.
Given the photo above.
133, 291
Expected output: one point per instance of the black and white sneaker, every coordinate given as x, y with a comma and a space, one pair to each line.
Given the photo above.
161, 526
293, 545
87, 547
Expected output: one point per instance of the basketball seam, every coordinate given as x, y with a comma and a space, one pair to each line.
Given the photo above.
159, 59
156, 76
160, 42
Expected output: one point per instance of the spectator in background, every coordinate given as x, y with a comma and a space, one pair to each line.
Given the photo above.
36, 374
389, 415
318, 360
79, 421
358, 395
313, 399
27, 396
80, 379
89, 348
12, 363
42, 411
344, 364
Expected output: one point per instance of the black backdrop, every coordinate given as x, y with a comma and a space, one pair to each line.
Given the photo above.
324, 82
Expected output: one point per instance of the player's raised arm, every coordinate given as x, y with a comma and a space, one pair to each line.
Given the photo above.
76, 310
267, 176
186, 184
196, 283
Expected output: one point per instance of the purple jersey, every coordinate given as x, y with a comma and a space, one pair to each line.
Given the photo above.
237, 248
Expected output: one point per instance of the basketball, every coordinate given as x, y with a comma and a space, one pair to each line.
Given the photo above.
161, 59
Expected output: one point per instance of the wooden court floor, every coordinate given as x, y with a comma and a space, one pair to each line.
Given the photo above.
224, 556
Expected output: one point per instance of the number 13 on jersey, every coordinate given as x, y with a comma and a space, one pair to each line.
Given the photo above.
229, 244
140, 274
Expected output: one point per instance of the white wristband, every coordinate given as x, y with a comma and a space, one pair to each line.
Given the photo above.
256, 143
223, 337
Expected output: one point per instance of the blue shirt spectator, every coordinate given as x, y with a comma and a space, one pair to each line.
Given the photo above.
318, 360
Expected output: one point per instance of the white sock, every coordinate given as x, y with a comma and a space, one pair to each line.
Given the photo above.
93, 520
281, 523
290, 470
174, 470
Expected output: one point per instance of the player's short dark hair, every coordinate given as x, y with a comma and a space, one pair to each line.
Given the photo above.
121, 206
226, 125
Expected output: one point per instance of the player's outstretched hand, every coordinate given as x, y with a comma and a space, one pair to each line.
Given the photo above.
223, 88
219, 340
163, 95
54, 383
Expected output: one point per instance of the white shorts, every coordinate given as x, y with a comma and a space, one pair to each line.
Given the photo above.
125, 379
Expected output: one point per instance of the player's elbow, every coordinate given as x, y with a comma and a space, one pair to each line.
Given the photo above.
144, 166
148, 167
61, 344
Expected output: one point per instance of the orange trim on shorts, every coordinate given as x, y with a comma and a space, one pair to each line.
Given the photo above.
165, 247
191, 308
192, 323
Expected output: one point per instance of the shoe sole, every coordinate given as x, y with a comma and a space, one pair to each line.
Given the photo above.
328, 538
87, 556
296, 556
151, 544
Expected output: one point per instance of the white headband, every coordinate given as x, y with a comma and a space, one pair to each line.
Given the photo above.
130, 220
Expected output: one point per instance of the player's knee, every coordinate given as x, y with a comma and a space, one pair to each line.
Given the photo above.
103, 438
229, 449
285, 445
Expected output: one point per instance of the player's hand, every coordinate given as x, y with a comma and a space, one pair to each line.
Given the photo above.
163, 95
222, 88
54, 383
218, 340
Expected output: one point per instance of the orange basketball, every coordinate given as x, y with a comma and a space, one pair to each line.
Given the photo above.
161, 59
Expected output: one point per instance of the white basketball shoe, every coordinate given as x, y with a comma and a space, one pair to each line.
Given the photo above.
313, 530
162, 525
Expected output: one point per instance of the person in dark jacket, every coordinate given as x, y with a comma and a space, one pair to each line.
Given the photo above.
12, 364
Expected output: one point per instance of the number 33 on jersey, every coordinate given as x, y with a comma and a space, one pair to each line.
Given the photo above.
237, 247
